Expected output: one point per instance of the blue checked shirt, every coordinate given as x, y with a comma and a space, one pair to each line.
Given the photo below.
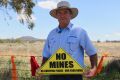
74, 40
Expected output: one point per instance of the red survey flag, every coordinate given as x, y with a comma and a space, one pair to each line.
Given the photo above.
34, 65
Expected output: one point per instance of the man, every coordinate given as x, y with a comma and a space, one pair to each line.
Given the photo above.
74, 40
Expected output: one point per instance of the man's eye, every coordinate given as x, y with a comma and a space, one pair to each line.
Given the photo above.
66, 11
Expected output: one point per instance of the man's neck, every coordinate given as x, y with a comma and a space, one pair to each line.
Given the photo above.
63, 25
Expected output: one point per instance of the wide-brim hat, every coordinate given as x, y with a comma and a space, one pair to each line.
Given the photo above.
64, 5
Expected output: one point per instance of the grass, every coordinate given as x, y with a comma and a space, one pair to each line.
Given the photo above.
111, 71
35, 49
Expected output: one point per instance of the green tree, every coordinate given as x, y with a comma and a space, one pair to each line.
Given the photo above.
23, 7
1, 41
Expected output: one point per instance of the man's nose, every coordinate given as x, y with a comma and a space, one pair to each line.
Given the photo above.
62, 15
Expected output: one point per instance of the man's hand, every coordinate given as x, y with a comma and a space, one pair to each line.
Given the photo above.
90, 73
38, 76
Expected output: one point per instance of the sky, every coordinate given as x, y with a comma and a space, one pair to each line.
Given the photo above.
100, 18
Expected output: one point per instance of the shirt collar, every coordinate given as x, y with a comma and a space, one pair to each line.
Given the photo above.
68, 27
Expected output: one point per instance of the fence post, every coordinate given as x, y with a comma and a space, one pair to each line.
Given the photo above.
14, 73
100, 65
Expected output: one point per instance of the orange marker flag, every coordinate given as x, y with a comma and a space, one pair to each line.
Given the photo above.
100, 65
14, 73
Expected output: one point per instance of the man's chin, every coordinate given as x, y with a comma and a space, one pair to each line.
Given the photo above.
63, 21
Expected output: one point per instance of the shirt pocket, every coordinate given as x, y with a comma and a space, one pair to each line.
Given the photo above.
73, 43
52, 42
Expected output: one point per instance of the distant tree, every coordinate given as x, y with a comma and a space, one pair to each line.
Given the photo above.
1, 41
17, 41
107, 41
98, 41
23, 7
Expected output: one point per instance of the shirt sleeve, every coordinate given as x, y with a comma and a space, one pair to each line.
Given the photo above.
87, 44
46, 49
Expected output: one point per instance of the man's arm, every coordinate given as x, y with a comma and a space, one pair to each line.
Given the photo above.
44, 60
93, 60
91, 72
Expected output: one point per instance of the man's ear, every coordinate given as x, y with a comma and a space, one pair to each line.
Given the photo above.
56, 16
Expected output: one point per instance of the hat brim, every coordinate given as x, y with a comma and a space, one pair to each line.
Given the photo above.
74, 12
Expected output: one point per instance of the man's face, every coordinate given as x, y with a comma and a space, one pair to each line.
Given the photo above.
64, 16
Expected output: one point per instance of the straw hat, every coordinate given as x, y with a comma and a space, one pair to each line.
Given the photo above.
64, 5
